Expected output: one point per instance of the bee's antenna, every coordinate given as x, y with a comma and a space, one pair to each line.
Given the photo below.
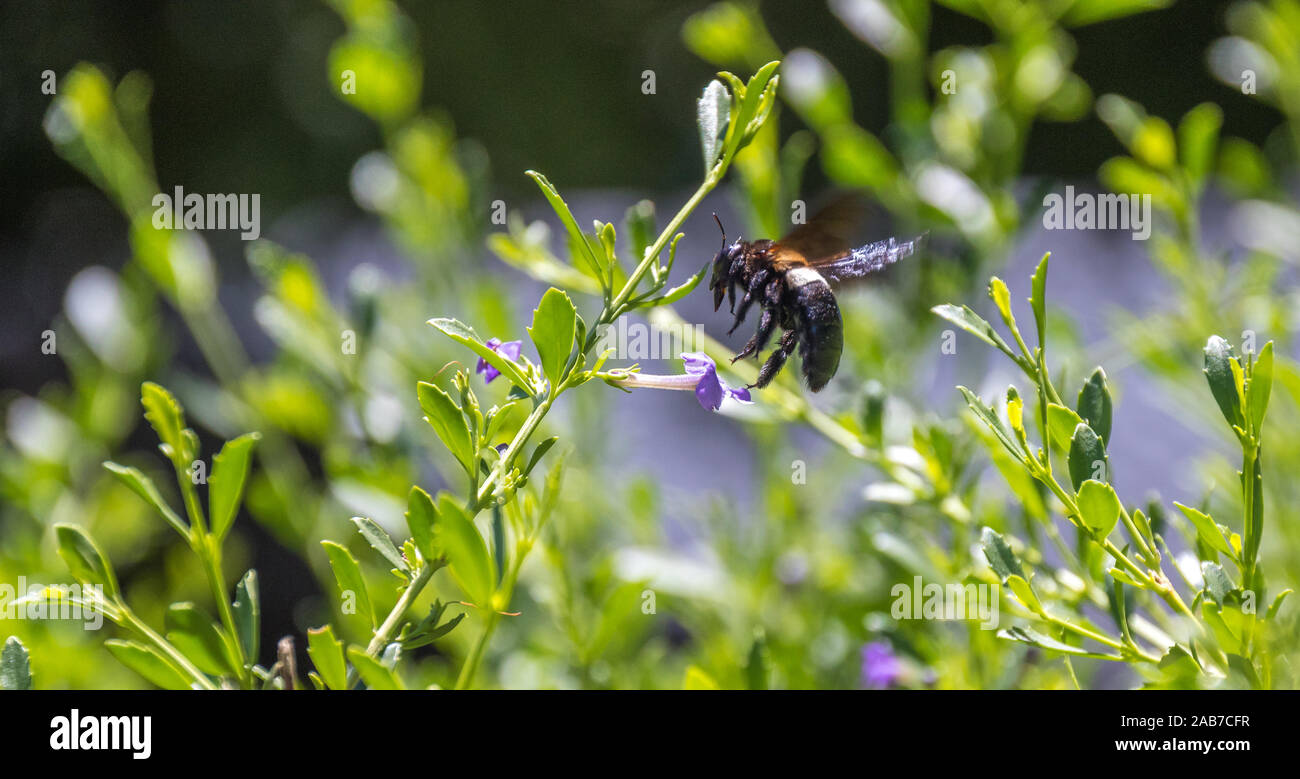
720, 227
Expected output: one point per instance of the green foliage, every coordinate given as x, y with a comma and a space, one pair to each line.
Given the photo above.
1216, 639
195, 651
15, 666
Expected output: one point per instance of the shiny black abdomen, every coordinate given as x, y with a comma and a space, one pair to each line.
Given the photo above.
821, 331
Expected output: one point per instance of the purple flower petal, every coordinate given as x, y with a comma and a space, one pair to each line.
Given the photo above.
711, 390
509, 349
698, 363
880, 668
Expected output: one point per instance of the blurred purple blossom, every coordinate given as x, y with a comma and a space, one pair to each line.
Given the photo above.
880, 668
509, 349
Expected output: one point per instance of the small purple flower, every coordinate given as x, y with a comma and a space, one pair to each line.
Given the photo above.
701, 377
880, 668
510, 349
711, 390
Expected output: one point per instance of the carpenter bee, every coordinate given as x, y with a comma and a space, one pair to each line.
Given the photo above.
789, 279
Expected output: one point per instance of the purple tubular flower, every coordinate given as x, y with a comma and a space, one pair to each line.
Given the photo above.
711, 390
509, 349
880, 668
701, 377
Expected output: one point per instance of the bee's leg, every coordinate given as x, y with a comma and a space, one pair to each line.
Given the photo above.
776, 360
733, 278
773, 292
750, 296
765, 327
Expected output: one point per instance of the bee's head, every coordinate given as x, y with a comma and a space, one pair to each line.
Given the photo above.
722, 265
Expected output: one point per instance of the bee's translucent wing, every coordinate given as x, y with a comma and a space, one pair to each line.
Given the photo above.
867, 259
830, 232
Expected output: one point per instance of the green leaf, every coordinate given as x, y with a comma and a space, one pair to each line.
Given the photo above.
82, 556
756, 673
446, 419
1092, 11
1243, 168
144, 487
1206, 529
247, 610
539, 452
1038, 298
1219, 373
1024, 593
1198, 139
1119, 575
1261, 386
194, 634
554, 323
697, 679
497, 419
226, 485
1087, 457
676, 293
375, 674
347, 574
758, 97
973, 323
639, 225
985, 413
327, 655
1213, 615
576, 236
15, 666
712, 111
1144, 527
1062, 422
421, 519
1015, 411
147, 662
1246, 668
465, 336
1002, 560
1001, 297
168, 421
1034, 638
1277, 604
471, 565
1217, 583
606, 239
1118, 605
1099, 507
1094, 404
380, 542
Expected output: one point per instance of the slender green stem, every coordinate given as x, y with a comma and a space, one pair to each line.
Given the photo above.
468, 670
1248, 450
652, 254
211, 557
484, 495
206, 549
171, 654
393, 621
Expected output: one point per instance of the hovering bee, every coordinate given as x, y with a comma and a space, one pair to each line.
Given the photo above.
789, 281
